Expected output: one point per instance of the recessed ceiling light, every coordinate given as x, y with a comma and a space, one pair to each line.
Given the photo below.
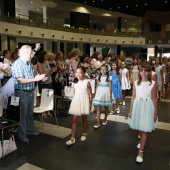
110, 8
85, 2
31, 2
118, 7
101, 0
165, 2
125, 20
145, 4
90, 21
37, 9
127, 6
29, 40
139, 21
136, 5
93, 1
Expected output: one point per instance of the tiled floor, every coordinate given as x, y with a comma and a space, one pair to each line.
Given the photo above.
111, 147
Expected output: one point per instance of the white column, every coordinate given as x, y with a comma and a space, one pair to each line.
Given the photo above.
150, 52
4, 44
48, 46
80, 47
44, 14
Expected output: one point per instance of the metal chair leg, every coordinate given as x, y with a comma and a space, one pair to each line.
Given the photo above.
55, 117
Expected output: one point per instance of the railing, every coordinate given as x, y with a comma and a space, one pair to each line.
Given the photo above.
49, 24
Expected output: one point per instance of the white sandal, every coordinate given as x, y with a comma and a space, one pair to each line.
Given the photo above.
139, 159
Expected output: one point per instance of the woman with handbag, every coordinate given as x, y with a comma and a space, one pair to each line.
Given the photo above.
81, 104
60, 79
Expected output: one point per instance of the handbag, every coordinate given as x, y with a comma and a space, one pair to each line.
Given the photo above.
8, 145
69, 92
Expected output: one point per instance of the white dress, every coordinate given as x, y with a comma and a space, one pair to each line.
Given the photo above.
143, 108
102, 97
80, 103
125, 84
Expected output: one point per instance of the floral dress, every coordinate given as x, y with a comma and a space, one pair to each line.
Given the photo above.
71, 73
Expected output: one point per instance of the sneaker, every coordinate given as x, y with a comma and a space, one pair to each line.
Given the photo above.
104, 123
123, 103
71, 141
25, 139
34, 133
83, 137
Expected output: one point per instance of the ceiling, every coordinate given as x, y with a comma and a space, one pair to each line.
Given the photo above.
130, 7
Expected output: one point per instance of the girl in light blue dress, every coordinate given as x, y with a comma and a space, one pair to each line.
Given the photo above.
103, 96
143, 107
116, 88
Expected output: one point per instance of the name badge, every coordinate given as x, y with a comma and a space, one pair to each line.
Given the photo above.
14, 101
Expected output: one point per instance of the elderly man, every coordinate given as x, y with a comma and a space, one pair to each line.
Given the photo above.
24, 84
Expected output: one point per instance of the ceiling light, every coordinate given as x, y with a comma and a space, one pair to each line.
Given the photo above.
136, 5
125, 20
165, 2
85, 2
37, 9
145, 4
101, 0
29, 40
31, 2
127, 6
118, 7
110, 8
93, 1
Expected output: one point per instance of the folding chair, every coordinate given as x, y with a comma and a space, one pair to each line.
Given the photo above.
47, 104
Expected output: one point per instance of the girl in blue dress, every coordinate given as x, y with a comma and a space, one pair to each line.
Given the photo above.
143, 107
116, 87
103, 96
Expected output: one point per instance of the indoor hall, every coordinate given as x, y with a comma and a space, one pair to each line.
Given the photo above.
109, 147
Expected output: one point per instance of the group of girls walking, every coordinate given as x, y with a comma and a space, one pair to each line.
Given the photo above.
111, 86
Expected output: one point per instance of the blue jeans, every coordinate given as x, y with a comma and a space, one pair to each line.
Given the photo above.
26, 114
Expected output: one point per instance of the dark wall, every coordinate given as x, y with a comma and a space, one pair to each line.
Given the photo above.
79, 19
9, 7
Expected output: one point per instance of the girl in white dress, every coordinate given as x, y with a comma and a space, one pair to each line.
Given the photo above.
81, 103
103, 95
143, 107
124, 74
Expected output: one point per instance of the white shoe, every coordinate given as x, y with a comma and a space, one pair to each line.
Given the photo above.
123, 103
138, 136
118, 110
96, 126
71, 141
83, 137
139, 159
112, 112
104, 123
138, 145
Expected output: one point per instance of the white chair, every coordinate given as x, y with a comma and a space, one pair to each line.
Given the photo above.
47, 104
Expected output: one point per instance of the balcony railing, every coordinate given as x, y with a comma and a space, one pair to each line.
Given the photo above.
54, 25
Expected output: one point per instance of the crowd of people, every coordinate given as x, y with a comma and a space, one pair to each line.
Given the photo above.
113, 76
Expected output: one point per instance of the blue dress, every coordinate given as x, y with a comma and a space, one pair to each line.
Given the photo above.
116, 89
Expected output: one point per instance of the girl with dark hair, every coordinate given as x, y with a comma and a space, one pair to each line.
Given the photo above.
103, 96
116, 88
81, 103
143, 108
